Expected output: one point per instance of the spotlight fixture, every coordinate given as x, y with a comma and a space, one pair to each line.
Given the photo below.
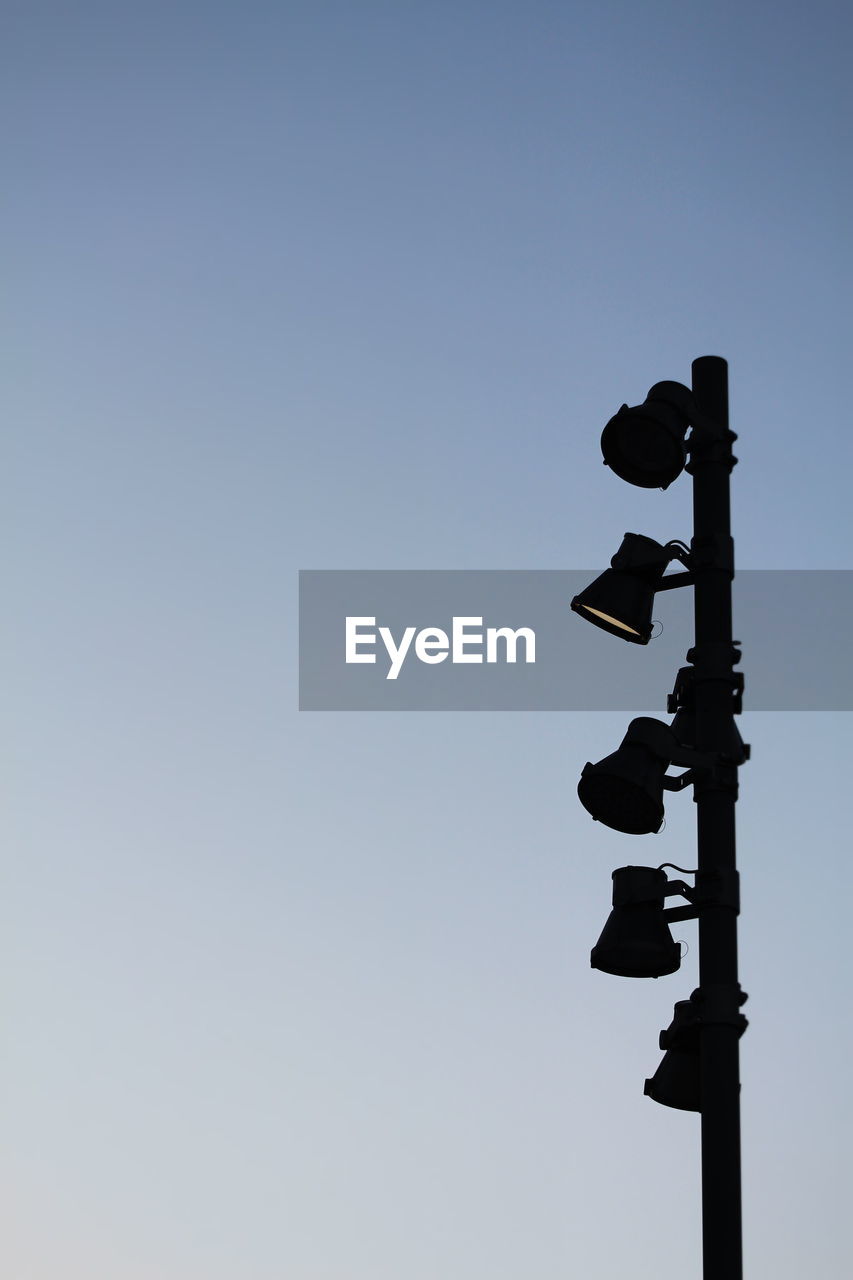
645, 444
625, 789
676, 1083
620, 600
636, 941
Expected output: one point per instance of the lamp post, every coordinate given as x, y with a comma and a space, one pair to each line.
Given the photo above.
714, 680
648, 446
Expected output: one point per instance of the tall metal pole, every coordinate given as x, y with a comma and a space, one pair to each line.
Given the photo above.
713, 659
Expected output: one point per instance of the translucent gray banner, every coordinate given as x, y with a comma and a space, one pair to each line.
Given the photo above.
386, 640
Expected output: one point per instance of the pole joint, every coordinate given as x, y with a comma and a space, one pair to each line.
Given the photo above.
713, 551
719, 887
709, 441
710, 661
721, 777
718, 1004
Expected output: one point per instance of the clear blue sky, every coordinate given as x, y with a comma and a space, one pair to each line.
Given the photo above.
356, 285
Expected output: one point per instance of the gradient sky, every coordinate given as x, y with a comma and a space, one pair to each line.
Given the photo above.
356, 285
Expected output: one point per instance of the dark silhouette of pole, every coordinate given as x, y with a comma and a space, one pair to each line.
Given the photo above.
713, 660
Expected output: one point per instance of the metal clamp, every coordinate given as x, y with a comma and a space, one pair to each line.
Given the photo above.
718, 888
711, 662
713, 551
719, 1004
709, 442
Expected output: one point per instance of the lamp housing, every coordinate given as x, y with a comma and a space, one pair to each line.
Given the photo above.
620, 600
636, 941
677, 1082
644, 444
625, 789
